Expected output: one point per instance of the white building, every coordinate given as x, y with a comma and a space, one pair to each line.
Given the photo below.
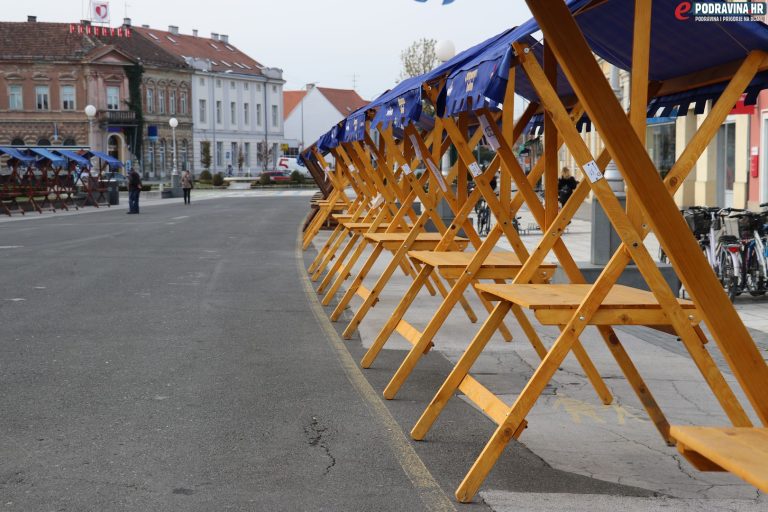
311, 113
237, 103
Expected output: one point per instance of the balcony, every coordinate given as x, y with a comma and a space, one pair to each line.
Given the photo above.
117, 117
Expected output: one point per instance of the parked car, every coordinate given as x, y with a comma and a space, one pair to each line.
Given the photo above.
277, 176
289, 164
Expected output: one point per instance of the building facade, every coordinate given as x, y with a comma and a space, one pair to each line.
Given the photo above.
236, 104
311, 112
48, 74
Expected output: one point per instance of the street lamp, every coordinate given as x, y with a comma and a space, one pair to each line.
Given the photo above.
90, 113
175, 179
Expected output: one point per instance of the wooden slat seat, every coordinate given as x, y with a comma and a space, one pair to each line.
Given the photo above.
554, 304
498, 264
343, 216
424, 241
362, 227
742, 451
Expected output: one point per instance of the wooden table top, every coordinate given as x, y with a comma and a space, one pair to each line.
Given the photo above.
451, 259
400, 237
569, 296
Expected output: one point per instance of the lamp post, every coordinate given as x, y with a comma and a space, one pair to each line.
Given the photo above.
175, 178
445, 50
90, 113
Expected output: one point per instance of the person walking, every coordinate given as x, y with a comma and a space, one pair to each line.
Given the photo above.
134, 189
566, 184
187, 186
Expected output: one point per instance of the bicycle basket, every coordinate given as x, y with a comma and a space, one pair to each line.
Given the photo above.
698, 221
748, 223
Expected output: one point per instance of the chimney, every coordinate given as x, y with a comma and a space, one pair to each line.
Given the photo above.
145, 26
224, 38
214, 36
31, 19
194, 32
173, 29
310, 86
126, 22
85, 23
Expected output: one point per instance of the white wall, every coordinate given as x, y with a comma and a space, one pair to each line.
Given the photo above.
319, 116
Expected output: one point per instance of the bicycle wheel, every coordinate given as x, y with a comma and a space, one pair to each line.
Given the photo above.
727, 276
484, 222
755, 284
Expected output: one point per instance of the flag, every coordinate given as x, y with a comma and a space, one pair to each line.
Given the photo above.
100, 12
445, 2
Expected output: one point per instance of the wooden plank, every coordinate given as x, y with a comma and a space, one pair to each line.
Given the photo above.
741, 451
619, 316
550, 146
481, 396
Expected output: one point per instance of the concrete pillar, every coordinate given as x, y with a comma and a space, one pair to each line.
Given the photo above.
742, 162
685, 127
706, 170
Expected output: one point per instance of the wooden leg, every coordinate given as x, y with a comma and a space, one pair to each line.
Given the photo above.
330, 245
344, 273
357, 282
460, 371
340, 259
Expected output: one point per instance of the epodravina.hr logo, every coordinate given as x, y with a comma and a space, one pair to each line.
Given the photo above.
720, 11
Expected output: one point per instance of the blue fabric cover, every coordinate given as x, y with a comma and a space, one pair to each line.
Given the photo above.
71, 155
113, 162
17, 155
56, 160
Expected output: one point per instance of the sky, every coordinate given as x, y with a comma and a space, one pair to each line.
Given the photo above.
334, 43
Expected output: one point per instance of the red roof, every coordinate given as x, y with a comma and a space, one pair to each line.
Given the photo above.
223, 56
345, 101
290, 100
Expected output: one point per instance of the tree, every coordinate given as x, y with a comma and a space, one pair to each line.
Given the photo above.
240, 159
205, 154
265, 153
418, 58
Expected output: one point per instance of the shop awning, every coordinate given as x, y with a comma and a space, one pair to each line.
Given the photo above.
56, 160
17, 155
112, 161
71, 155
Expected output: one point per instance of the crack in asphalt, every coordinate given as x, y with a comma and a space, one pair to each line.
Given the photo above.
316, 433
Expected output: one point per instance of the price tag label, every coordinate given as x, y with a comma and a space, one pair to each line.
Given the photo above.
592, 171
352, 168
378, 201
475, 170
416, 147
490, 137
407, 169
438, 175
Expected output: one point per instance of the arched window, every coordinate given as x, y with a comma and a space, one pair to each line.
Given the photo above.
161, 157
183, 155
69, 141
43, 142
17, 141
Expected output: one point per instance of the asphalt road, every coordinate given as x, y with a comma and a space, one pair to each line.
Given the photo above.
172, 361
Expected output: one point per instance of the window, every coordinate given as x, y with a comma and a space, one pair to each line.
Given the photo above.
150, 100
183, 103
67, 97
235, 157
203, 110
15, 100
232, 113
274, 115
274, 88
231, 85
258, 114
17, 141
245, 86
258, 87
218, 112
218, 84
660, 141
69, 141
161, 158
172, 102
219, 154
161, 101
42, 97
246, 114
113, 98
202, 81
247, 154
43, 142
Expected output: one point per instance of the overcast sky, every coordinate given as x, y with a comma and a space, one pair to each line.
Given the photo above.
335, 43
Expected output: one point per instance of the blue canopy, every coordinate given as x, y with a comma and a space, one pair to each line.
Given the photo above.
17, 155
71, 155
354, 127
56, 160
112, 161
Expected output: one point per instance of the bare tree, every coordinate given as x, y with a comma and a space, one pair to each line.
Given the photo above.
418, 58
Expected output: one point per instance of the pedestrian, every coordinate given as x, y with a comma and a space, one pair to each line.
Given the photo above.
187, 186
134, 189
566, 184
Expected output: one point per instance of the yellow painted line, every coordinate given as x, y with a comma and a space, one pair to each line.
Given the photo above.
431, 494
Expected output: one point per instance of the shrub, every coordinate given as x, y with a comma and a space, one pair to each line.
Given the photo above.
265, 179
218, 179
297, 177
205, 176
145, 187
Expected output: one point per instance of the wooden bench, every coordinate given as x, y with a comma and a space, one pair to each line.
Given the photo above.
423, 242
498, 265
742, 451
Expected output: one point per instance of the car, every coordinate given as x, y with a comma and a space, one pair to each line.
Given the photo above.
290, 164
277, 176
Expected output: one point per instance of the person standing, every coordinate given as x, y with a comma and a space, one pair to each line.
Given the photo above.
186, 186
566, 184
134, 189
